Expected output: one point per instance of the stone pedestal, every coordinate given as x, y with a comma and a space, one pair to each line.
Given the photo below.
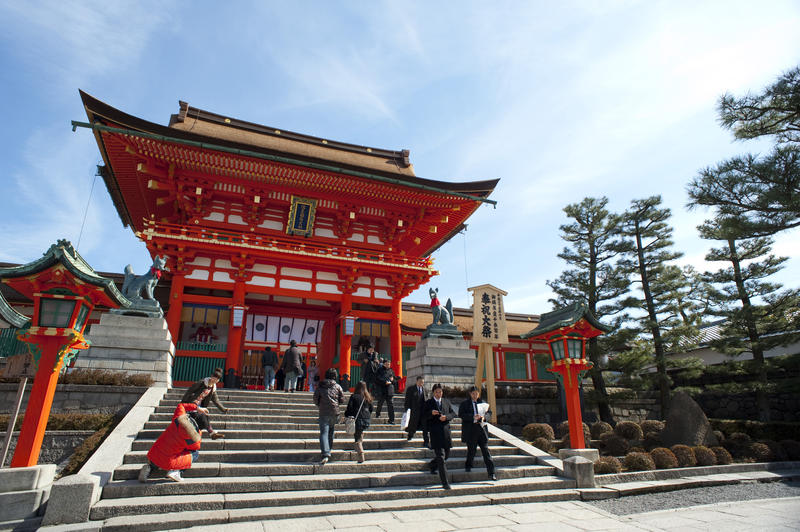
130, 344
445, 360
592, 455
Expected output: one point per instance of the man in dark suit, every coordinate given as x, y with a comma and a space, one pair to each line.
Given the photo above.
472, 433
415, 401
437, 414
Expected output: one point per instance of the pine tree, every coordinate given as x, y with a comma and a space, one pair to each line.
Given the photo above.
758, 316
593, 277
760, 196
662, 285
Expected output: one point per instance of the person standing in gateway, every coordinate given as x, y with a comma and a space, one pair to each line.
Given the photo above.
292, 365
269, 360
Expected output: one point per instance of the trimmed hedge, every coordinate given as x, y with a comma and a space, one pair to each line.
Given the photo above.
629, 430
685, 455
544, 444
760, 452
532, 431
638, 462
704, 455
722, 454
651, 425
607, 464
599, 428
663, 458
614, 445
105, 378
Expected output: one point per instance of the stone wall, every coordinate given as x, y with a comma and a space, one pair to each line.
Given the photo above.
82, 398
57, 446
783, 406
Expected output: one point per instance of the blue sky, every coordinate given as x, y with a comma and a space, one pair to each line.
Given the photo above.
560, 100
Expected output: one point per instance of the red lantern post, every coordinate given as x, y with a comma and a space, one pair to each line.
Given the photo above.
566, 330
64, 290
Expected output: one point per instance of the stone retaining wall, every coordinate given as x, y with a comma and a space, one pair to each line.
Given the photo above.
57, 446
783, 406
82, 398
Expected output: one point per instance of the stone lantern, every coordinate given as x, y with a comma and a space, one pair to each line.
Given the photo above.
565, 331
64, 290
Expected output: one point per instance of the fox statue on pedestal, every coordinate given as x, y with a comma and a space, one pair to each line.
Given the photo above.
133, 285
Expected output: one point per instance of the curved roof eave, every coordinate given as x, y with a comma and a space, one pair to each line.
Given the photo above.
97, 110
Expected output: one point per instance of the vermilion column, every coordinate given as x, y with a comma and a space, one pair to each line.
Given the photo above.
234, 352
569, 378
175, 307
345, 340
396, 338
37, 412
501, 366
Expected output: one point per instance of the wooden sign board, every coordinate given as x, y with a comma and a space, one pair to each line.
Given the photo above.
22, 365
488, 315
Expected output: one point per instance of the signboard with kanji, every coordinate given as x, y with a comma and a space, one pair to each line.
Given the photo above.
488, 315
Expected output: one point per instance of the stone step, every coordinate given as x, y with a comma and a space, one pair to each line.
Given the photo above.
131, 497
431, 499
312, 454
220, 423
281, 434
280, 430
267, 411
268, 415
261, 469
371, 441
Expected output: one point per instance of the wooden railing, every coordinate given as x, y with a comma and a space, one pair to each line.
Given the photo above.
9, 345
283, 245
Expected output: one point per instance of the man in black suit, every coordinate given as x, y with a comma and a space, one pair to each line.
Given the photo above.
415, 401
437, 414
472, 433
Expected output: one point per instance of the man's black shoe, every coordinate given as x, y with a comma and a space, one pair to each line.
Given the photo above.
446, 486
492, 477
468, 469
434, 471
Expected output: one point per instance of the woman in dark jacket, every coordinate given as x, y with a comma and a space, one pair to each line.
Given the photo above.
360, 407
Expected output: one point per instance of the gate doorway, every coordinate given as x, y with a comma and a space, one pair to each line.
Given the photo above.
274, 331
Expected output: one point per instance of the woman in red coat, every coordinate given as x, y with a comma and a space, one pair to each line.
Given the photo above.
178, 446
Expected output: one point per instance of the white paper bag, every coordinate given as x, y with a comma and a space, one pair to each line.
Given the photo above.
406, 418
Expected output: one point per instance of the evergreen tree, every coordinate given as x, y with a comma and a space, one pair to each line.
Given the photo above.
593, 277
760, 196
663, 286
757, 315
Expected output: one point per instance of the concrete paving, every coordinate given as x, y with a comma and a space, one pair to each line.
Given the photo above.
763, 515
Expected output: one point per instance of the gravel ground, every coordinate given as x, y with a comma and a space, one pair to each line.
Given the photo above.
696, 496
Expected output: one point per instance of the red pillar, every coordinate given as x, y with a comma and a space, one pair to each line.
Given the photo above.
234, 352
501, 364
345, 340
396, 338
37, 412
569, 374
175, 307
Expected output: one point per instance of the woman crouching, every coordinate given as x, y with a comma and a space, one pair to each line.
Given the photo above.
360, 407
179, 445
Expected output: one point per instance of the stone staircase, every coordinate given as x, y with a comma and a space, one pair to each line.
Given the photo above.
267, 468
